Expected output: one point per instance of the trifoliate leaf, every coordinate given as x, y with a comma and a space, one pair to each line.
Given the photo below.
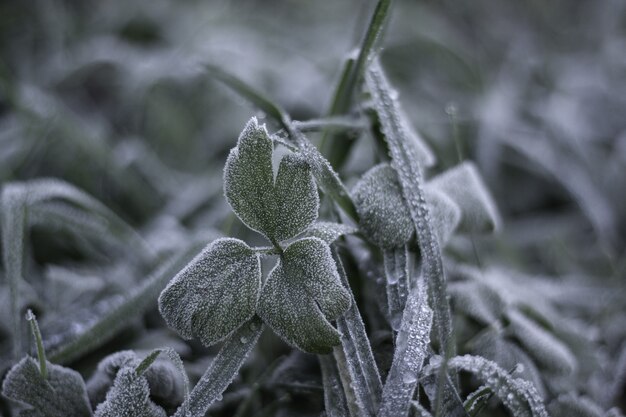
328, 231
464, 185
279, 210
129, 397
383, 213
61, 394
215, 293
302, 293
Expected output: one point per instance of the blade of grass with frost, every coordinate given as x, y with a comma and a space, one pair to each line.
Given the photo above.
404, 161
46, 189
351, 76
338, 123
139, 300
335, 403
397, 275
411, 349
518, 395
13, 206
346, 382
360, 361
419, 410
222, 370
326, 177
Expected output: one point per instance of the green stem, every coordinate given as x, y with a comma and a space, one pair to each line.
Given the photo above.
41, 353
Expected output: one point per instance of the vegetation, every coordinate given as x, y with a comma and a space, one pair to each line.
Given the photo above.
431, 225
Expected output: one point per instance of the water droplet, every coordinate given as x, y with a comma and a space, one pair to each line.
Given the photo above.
253, 326
409, 377
519, 368
243, 339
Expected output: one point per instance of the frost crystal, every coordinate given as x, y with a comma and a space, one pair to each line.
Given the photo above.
302, 293
215, 293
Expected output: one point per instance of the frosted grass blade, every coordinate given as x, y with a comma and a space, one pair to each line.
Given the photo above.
335, 403
405, 162
411, 349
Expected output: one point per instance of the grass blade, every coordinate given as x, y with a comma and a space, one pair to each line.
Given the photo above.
358, 352
411, 349
352, 74
222, 370
335, 403
397, 273
404, 161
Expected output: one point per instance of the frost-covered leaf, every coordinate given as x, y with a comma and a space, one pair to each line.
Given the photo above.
215, 293
328, 231
463, 184
518, 395
279, 209
302, 293
129, 397
383, 214
61, 394
541, 344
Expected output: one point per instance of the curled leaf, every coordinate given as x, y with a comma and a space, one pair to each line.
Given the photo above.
281, 209
61, 394
129, 396
215, 293
302, 293
383, 213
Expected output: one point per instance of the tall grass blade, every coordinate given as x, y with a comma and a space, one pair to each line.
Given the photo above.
405, 162
411, 349
335, 403
358, 352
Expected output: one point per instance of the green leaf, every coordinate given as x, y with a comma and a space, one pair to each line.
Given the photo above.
279, 210
302, 293
464, 185
446, 215
129, 396
61, 394
383, 213
215, 293
328, 231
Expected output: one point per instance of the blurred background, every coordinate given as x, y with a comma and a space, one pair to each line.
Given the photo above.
113, 98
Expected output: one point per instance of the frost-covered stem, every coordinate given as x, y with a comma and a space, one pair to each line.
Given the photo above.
41, 353
335, 403
405, 162
411, 349
222, 370
358, 352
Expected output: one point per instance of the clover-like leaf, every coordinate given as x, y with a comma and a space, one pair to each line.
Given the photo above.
302, 293
61, 394
279, 209
129, 397
215, 293
383, 213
